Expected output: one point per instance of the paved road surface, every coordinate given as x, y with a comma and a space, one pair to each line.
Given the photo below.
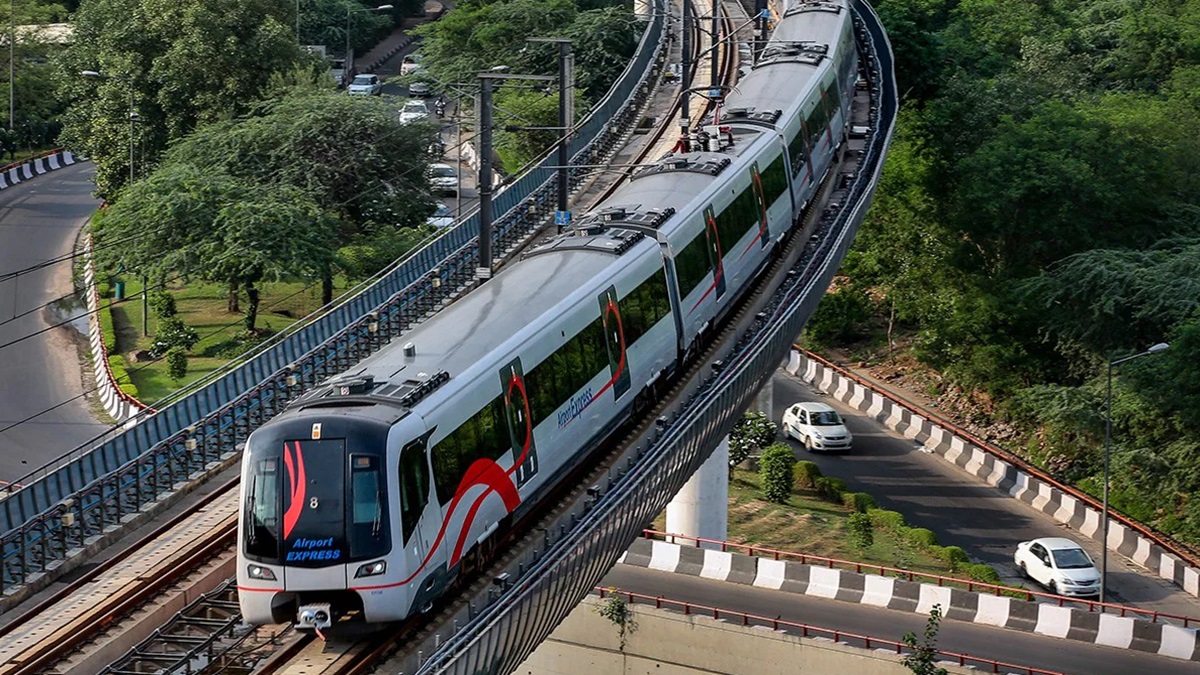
961, 509
1015, 647
39, 220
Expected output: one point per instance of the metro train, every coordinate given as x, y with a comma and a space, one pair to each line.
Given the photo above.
373, 492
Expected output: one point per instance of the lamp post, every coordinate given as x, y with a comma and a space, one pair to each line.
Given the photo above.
12, 42
1160, 347
349, 12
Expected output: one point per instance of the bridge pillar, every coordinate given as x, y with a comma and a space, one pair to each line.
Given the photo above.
701, 509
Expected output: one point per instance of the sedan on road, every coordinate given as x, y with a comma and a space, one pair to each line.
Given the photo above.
817, 426
365, 85
443, 178
1059, 564
414, 111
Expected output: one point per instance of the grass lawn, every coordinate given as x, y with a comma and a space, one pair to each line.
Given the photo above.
807, 524
203, 307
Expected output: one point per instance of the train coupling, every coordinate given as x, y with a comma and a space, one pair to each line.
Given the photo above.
316, 616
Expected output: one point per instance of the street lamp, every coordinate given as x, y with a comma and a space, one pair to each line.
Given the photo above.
1160, 347
380, 8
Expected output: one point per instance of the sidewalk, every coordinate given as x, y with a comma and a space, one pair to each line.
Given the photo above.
393, 44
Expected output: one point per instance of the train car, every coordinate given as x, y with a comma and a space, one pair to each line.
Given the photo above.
370, 494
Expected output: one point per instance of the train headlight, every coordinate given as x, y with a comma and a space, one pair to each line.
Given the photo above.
371, 569
259, 572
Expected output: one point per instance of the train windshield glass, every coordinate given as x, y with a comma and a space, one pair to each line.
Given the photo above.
314, 505
262, 509
368, 515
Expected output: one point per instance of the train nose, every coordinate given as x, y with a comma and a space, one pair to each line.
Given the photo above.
314, 616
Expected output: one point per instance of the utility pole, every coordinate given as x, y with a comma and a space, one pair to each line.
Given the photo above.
685, 76
12, 42
716, 40
764, 14
566, 122
485, 178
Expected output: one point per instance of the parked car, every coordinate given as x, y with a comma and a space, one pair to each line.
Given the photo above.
442, 216
443, 178
365, 85
1059, 564
420, 90
413, 111
817, 426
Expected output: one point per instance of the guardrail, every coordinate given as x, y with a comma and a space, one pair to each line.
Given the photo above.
922, 577
502, 635
65, 506
808, 630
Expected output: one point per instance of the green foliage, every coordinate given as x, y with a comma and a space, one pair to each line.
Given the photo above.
920, 536
985, 573
107, 334
861, 530
859, 501
841, 316
323, 22
163, 304
524, 108
954, 556
807, 473
884, 519
177, 363
922, 657
172, 333
604, 42
120, 375
615, 609
775, 466
754, 431
830, 489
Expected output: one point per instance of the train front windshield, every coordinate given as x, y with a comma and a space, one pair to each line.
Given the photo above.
312, 503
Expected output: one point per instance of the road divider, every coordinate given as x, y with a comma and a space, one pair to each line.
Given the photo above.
28, 169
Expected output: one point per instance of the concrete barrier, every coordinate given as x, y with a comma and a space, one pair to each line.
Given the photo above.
35, 167
996, 471
957, 604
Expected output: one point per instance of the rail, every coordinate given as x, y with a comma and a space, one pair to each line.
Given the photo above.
809, 630
921, 577
1185, 551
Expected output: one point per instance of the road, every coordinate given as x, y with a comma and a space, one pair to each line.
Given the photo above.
39, 220
1015, 647
958, 507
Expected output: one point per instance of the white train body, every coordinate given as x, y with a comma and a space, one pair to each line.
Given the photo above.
370, 492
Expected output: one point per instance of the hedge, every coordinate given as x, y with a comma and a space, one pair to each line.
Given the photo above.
830, 489
882, 518
806, 473
920, 536
116, 364
859, 501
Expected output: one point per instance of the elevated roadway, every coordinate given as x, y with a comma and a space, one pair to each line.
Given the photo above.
39, 221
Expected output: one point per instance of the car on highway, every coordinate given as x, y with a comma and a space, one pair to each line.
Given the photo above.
414, 111
420, 90
817, 426
411, 64
365, 85
443, 178
1059, 564
442, 216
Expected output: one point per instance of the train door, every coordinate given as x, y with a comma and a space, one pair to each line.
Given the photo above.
416, 532
673, 293
314, 506
519, 421
614, 341
715, 262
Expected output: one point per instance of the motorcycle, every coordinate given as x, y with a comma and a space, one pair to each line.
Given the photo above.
440, 108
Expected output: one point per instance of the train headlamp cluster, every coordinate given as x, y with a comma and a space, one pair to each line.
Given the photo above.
261, 573
371, 569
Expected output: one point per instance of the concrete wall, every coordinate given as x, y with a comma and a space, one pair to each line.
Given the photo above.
669, 643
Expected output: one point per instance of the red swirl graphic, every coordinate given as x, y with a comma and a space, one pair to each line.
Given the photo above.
296, 489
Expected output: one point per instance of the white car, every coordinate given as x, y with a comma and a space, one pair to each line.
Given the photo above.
411, 64
365, 85
443, 178
817, 426
414, 111
1060, 565
442, 216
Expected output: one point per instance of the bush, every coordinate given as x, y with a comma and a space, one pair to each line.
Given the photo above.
840, 317
173, 332
861, 532
177, 363
859, 501
120, 376
954, 556
985, 573
806, 473
108, 335
884, 519
775, 467
920, 536
830, 489
163, 304
753, 432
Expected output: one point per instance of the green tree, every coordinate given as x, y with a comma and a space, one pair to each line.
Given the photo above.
323, 22
188, 62
604, 41
922, 657
861, 531
754, 431
177, 363
775, 467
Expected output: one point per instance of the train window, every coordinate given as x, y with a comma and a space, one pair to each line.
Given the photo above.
832, 100
368, 508
774, 181
817, 121
691, 264
645, 306
262, 510
414, 487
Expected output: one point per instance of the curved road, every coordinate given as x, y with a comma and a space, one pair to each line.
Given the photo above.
39, 220
1027, 649
958, 507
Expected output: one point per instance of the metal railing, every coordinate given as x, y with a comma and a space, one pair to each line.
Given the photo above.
740, 618
67, 505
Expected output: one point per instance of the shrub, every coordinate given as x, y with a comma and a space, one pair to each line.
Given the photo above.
954, 556
775, 467
920, 536
884, 519
830, 489
116, 366
861, 532
985, 573
163, 304
807, 473
177, 363
754, 431
173, 332
859, 501
107, 334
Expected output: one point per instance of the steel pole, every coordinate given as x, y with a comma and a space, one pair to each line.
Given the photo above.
716, 40
346, 55
130, 83
485, 179
12, 46
564, 121
1104, 511
459, 146
685, 76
